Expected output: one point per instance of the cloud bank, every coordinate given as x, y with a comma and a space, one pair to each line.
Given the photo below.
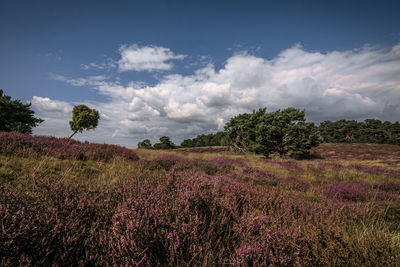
356, 84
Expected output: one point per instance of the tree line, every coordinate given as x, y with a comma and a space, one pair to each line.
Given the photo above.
368, 131
287, 132
372, 131
283, 131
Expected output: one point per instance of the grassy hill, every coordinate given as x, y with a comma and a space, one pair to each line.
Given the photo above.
69, 203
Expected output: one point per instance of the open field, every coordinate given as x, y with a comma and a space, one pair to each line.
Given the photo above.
71, 203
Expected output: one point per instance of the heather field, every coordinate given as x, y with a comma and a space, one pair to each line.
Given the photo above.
68, 203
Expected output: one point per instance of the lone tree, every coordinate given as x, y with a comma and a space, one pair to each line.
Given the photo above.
283, 131
15, 116
83, 118
145, 144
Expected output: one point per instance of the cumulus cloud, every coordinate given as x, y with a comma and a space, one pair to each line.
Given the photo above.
45, 104
355, 84
146, 58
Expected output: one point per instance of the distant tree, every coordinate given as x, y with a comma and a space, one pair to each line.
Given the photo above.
394, 130
165, 143
373, 131
145, 144
187, 143
283, 131
15, 116
83, 118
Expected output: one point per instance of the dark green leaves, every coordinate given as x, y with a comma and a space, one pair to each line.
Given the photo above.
165, 143
369, 131
146, 144
15, 116
283, 131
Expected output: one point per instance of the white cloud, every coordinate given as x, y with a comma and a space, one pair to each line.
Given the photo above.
146, 58
91, 80
355, 84
45, 104
107, 65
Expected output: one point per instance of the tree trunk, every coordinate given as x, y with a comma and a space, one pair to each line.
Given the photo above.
73, 134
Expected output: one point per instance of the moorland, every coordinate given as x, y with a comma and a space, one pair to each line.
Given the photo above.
64, 202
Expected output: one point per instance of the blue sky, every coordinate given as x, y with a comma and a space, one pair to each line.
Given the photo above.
182, 68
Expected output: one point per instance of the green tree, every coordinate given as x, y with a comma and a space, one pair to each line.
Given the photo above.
146, 144
15, 116
187, 143
283, 131
83, 118
394, 130
373, 131
165, 143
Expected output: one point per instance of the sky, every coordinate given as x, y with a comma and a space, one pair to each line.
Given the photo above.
183, 68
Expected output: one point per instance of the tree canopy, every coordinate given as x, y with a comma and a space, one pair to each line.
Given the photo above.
217, 139
83, 118
283, 131
145, 144
15, 116
165, 143
369, 131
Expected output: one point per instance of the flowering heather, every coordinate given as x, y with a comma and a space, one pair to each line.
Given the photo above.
387, 187
228, 162
346, 192
15, 143
167, 161
357, 151
375, 170
258, 176
390, 162
296, 183
289, 165
210, 149
169, 210
330, 165
206, 166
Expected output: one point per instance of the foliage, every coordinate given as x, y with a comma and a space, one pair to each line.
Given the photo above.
369, 131
15, 116
146, 144
217, 139
281, 131
165, 143
83, 118
25, 145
